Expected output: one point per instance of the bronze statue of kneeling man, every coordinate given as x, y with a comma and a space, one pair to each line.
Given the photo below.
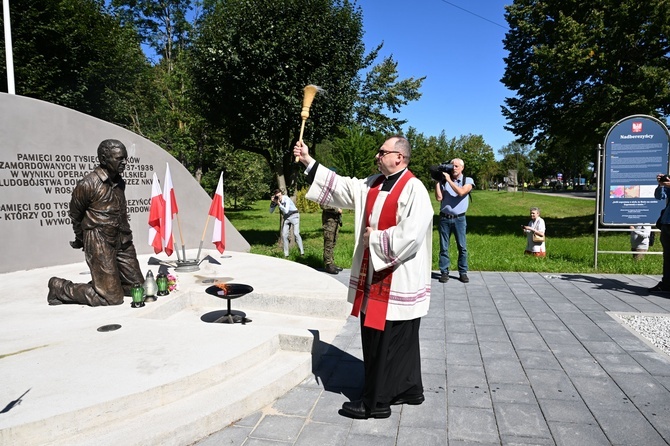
100, 222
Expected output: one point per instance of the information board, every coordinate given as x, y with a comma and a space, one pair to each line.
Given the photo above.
636, 150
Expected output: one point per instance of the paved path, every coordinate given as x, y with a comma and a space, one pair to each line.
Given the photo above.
510, 358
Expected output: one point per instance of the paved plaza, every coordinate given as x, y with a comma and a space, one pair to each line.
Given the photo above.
508, 359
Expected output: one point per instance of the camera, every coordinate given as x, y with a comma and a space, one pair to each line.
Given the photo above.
436, 171
664, 178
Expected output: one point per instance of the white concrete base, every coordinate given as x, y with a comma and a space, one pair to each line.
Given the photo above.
166, 376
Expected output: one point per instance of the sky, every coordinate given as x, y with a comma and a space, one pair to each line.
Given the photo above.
457, 45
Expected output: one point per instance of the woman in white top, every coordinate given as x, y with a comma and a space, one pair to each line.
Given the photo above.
536, 228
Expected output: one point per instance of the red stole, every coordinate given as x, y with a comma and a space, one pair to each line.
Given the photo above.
380, 288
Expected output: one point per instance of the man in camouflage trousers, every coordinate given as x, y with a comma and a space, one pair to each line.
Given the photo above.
331, 218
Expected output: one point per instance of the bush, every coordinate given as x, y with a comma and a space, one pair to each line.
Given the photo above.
305, 205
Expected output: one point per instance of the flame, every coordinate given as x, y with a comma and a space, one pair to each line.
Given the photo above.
223, 287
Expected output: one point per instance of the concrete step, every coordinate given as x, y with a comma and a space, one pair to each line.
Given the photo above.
183, 411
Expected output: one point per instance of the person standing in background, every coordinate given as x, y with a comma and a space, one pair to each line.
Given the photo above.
331, 220
452, 193
535, 234
639, 240
291, 217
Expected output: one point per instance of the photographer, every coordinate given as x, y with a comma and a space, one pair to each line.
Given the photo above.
291, 217
452, 190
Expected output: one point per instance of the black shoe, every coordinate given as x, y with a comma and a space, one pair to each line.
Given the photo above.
330, 269
444, 277
659, 288
411, 400
464, 278
358, 410
339, 268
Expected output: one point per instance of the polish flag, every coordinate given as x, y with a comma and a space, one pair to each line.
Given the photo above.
216, 211
156, 212
170, 210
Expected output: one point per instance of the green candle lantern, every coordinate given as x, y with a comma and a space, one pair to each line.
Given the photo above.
137, 293
162, 282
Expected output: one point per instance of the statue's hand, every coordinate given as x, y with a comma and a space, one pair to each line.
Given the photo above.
77, 244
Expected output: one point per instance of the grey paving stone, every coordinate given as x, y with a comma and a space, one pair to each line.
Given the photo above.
477, 397
609, 347
429, 415
528, 341
580, 365
658, 364
512, 393
279, 428
412, 436
552, 384
460, 327
461, 338
265, 442
433, 365
369, 440
628, 428
565, 411
250, 420
455, 316
471, 424
328, 405
618, 363
298, 401
434, 382
560, 339
521, 420
643, 390
463, 354
519, 323
432, 334
433, 348
602, 393
533, 359
230, 436
466, 376
526, 441
572, 434
504, 371
385, 427
323, 434
485, 318
491, 333
502, 350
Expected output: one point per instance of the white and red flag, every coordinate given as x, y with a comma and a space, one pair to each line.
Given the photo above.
156, 213
216, 210
170, 210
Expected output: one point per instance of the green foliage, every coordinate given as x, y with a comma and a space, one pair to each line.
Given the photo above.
252, 61
245, 177
73, 53
579, 67
354, 152
305, 205
381, 93
495, 239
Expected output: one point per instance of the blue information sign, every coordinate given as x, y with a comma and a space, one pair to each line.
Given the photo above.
636, 150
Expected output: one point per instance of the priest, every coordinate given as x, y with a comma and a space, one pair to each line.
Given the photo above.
390, 278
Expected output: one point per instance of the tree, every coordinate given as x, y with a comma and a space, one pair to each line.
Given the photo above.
579, 67
477, 156
381, 92
253, 59
75, 54
354, 152
167, 114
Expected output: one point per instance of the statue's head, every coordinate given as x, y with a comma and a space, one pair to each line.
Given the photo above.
113, 156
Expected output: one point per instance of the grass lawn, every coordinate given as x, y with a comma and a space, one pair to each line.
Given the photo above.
495, 239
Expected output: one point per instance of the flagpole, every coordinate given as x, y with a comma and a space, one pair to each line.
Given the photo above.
181, 237
8, 47
202, 239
